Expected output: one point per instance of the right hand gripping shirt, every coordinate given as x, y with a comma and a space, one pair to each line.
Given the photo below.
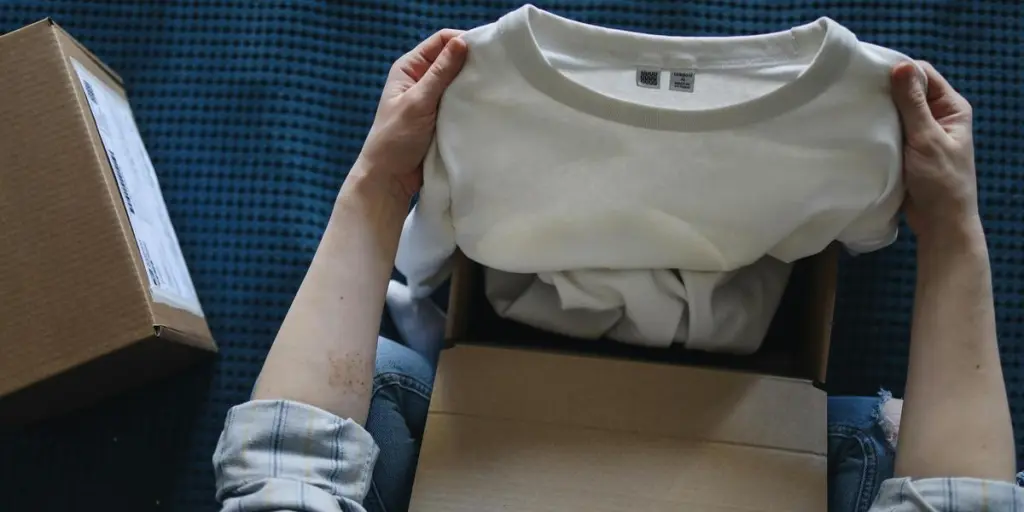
564, 146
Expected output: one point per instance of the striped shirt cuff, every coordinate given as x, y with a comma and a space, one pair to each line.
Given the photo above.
284, 455
948, 494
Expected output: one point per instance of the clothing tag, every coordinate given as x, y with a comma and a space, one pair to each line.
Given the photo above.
649, 78
682, 80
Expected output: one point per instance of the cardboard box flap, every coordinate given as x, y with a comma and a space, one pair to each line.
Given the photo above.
458, 296
475, 464
821, 310
630, 396
513, 429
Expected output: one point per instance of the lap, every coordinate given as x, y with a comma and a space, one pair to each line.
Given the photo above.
398, 414
859, 456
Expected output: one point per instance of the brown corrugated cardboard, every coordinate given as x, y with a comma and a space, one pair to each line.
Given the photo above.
81, 315
524, 420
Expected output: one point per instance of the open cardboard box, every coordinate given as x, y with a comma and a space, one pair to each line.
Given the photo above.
523, 419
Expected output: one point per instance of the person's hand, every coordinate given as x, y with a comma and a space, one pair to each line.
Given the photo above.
938, 151
404, 124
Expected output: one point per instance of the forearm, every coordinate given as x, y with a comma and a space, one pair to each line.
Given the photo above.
324, 353
955, 416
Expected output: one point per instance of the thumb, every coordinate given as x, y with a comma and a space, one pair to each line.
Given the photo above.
442, 71
911, 99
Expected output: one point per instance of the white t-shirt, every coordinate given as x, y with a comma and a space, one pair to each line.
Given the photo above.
712, 311
564, 146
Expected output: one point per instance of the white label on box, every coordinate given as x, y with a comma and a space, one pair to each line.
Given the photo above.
168, 275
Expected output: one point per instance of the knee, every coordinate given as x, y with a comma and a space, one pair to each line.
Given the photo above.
889, 414
868, 414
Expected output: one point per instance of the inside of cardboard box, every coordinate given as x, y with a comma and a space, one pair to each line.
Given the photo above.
796, 344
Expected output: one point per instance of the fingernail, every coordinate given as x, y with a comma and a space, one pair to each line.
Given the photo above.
915, 77
915, 80
920, 79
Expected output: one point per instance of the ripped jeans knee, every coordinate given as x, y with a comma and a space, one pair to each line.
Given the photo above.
862, 436
888, 413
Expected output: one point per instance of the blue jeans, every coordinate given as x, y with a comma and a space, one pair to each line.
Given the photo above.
398, 413
859, 457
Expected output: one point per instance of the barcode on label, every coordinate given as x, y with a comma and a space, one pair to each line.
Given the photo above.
89, 92
120, 181
147, 261
649, 78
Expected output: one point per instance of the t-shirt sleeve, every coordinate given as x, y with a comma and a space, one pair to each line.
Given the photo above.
946, 495
878, 225
428, 236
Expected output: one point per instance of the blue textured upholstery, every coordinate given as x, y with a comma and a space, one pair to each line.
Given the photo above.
253, 111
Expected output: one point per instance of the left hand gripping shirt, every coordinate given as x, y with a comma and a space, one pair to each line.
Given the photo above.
564, 146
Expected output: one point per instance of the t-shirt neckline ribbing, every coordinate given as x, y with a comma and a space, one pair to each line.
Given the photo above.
520, 42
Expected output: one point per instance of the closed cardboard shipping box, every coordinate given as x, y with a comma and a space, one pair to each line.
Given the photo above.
95, 295
522, 419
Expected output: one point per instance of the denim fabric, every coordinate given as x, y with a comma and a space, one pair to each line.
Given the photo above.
859, 457
398, 413
285, 455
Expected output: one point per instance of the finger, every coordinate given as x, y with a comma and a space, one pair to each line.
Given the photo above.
418, 60
441, 73
938, 86
432, 46
911, 99
943, 99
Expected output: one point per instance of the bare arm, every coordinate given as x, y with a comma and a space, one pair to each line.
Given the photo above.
324, 353
956, 420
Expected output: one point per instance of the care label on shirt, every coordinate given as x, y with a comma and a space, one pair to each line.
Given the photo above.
169, 280
648, 78
681, 80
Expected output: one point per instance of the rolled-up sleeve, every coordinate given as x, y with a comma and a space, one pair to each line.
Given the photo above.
947, 495
287, 456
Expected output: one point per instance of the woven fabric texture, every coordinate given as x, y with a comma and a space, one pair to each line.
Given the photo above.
253, 110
